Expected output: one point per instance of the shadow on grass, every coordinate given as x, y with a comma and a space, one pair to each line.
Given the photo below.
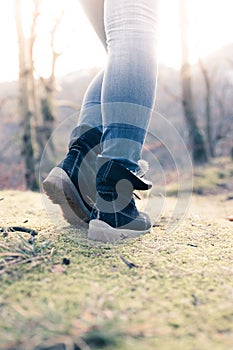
95, 339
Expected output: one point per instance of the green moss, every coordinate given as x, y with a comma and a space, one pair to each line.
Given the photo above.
207, 179
178, 295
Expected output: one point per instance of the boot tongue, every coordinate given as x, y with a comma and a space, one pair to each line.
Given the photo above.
139, 183
143, 168
111, 171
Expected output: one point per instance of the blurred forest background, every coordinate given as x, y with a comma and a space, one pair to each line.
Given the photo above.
196, 96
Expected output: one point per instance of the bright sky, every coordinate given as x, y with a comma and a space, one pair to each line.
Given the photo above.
210, 27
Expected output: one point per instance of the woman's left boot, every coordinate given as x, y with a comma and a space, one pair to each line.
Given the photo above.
72, 183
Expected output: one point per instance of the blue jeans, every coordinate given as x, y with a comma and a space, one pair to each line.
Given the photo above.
120, 99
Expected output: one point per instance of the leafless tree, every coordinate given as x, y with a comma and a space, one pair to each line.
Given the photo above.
199, 153
25, 102
208, 114
36, 97
223, 96
47, 98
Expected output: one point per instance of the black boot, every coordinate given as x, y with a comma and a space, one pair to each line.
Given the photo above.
71, 184
115, 215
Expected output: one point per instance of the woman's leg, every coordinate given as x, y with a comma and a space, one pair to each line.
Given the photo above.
71, 184
129, 80
127, 100
129, 83
90, 116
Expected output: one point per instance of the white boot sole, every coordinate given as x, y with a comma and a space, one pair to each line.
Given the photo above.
100, 231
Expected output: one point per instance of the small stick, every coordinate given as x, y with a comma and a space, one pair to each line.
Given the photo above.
129, 264
19, 229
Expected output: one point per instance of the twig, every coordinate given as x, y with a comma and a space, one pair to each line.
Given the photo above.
129, 264
11, 254
19, 229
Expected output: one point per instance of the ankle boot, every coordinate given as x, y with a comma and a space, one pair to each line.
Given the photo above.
115, 215
71, 184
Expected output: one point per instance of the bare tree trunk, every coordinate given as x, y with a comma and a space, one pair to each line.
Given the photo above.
32, 40
199, 153
25, 108
44, 131
209, 133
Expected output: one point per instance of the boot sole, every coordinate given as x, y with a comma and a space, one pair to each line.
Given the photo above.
100, 231
61, 190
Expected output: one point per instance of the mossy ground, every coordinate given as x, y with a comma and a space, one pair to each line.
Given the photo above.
177, 295
213, 178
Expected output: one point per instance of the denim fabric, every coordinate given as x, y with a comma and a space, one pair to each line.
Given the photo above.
121, 98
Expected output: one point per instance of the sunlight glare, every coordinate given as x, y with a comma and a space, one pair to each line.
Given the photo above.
210, 27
